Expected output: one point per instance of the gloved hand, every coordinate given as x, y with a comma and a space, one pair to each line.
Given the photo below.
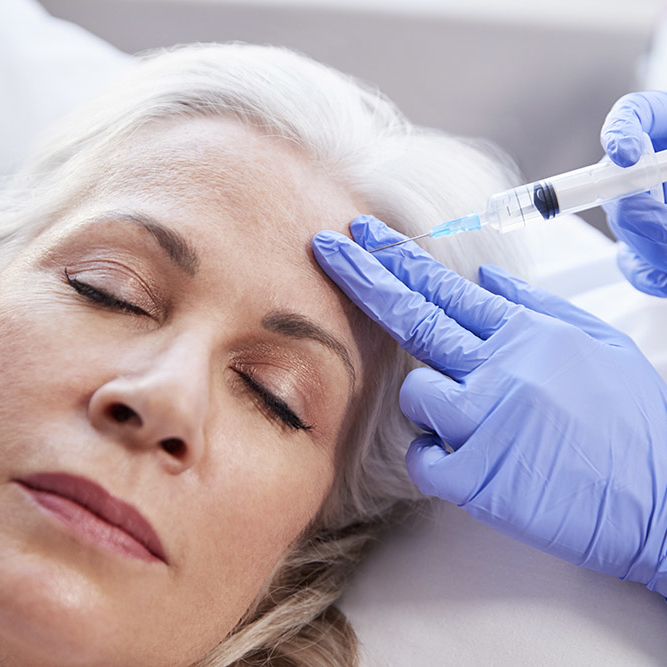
639, 222
557, 422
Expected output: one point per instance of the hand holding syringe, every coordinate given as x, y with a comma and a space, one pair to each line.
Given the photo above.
569, 192
555, 423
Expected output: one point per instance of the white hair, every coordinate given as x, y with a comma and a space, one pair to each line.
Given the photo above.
411, 177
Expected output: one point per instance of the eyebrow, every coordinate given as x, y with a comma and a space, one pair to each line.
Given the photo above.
185, 256
172, 242
295, 325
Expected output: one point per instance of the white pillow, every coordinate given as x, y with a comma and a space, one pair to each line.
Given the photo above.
47, 67
450, 591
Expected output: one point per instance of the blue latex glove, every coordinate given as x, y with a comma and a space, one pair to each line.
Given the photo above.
639, 222
558, 424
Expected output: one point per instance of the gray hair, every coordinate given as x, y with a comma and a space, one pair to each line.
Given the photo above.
411, 177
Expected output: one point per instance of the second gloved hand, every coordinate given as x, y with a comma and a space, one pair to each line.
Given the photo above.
639, 222
557, 423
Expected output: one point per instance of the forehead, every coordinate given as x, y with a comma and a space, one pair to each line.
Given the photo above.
259, 189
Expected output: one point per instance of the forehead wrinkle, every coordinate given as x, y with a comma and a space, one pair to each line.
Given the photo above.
266, 183
175, 174
227, 155
272, 191
284, 206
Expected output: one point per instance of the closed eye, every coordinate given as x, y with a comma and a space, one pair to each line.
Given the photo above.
103, 298
276, 406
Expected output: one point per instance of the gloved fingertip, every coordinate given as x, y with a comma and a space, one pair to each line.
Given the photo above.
420, 382
425, 441
327, 242
370, 232
327, 238
623, 149
362, 224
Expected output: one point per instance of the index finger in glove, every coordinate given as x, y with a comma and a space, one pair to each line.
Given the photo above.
632, 115
420, 327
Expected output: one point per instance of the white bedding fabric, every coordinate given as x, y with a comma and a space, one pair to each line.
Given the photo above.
443, 589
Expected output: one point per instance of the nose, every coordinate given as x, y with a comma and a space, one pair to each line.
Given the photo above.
161, 407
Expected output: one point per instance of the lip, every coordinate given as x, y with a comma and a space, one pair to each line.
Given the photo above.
89, 509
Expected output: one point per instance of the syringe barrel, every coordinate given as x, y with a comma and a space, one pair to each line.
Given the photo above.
573, 191
592, 186
511, 209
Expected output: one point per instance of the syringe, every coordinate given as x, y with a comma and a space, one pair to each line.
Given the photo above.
570, 192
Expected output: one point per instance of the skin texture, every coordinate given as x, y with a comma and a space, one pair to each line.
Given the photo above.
241, 485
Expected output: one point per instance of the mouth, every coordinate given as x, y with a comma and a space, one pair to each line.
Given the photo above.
92, 512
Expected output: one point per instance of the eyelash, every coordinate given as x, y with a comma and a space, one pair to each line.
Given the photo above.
278, 408
103, 298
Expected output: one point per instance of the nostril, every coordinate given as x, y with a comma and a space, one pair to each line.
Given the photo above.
173, 446
121, 413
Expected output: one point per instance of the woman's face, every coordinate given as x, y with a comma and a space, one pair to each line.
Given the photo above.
177, 375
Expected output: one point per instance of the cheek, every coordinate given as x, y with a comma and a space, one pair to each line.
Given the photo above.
29, 355
264, 498
39, 350
48, 372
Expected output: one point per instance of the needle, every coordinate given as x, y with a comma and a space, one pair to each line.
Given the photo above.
391, 245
